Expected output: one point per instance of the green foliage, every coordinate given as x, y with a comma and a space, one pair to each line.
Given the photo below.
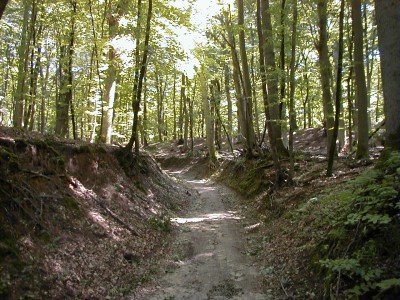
360, 251
161, 222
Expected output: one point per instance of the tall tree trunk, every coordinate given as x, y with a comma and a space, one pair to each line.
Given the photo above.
207, 116
271, 133
186, 115
174, 104
282, 77
138, 85
182, 108
110, 84
272, 78
23, 56
229, 101
361, 87
248, 101
65, 98
292, 115
387, 18
338, 100
325, 69
237, 77
3, 5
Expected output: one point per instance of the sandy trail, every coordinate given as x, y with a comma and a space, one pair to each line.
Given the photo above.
210, 251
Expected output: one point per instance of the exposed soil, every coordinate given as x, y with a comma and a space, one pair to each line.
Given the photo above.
211, 255
81, 221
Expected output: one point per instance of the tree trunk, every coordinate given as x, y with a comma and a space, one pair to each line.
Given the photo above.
387, 17
229, 101
272, 78
248, 102
325, 69
65, 98
292, 115
138, 85
23, 55
338, 94
207, 116
110, 84
3, 5
271, 133
174, 104
361, 88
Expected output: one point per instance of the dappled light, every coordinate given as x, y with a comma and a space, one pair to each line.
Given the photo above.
230, 215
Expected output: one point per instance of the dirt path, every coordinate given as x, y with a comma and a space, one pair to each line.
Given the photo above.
210, 259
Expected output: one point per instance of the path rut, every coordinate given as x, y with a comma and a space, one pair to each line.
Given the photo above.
210, 256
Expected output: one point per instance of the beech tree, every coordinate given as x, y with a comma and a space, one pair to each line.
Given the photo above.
387, 16
361, 87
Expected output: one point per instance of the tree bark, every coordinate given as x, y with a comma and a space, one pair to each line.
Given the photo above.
110, 84
361, 87
23, 55
138, 85
271, 133
292, 115
3, 5
388, 18
338, 94
66, 76
271, 78
207, 116
325, 69
248, 102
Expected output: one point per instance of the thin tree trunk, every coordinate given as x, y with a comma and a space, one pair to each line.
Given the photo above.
271, 133
338, 100
248, 102
387, 16
3, 5
23, 55
325, 69
292, 115
361, 87
272, 78
207, 116
139, 85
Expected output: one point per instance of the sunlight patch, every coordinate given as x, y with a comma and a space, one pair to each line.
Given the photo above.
230, 215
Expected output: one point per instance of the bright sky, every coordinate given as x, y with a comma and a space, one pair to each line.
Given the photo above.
203, 11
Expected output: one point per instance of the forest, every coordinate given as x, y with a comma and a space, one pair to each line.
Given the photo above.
292, 104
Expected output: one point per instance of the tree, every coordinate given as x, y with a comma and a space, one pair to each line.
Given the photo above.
325, 69
3, 5
387, 16
271, 72
140, 72
247, 90
207, 116
110, 84
292, 116
338, 95
64, 103
361, 87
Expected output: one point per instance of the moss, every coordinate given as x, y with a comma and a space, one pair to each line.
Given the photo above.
86, 149
59, 161
71, 203
9, 157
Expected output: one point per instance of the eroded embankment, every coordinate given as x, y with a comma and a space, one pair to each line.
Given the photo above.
74, 223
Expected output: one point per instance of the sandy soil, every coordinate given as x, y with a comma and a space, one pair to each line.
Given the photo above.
210, 256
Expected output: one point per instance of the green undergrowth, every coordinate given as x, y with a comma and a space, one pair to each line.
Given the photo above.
357, 225
246, 177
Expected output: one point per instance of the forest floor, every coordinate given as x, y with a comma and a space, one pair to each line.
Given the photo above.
82, 221
210, 255
240, 237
